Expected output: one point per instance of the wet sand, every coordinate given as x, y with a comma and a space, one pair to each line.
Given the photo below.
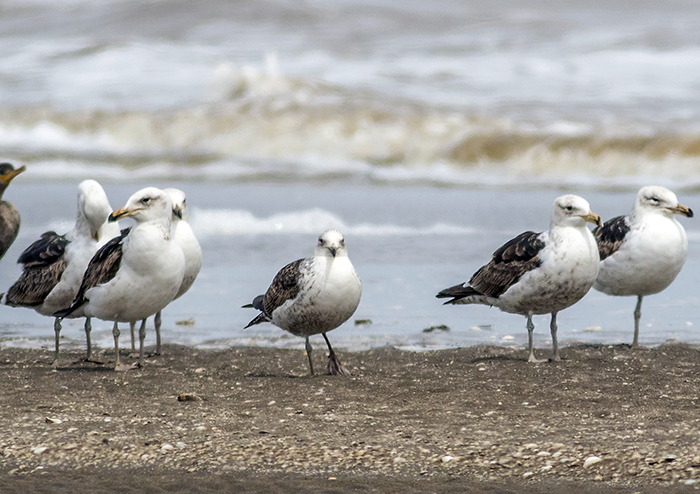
478, 419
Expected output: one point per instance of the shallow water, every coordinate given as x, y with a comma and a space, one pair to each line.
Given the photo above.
428, 133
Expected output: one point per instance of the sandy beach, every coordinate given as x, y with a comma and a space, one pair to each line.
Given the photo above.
477, 419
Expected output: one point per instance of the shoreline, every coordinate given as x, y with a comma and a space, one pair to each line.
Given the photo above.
605, 419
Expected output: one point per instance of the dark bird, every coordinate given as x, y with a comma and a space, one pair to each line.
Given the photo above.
9, 216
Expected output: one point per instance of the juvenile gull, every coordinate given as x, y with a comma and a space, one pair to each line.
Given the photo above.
642, 253
53, 266
313, 295
538, 273
184, 237
136, 274
9, 216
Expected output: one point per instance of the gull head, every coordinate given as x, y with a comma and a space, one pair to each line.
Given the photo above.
657, 199
331, 243
571, 210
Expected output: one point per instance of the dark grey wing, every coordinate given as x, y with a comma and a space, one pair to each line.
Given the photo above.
103, 266
284, 286
515, 258
611, 235
9, 226
43, 267
47, 250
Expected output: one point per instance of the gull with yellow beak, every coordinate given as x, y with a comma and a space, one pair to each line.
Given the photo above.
136, 274
313, 296
184, 237
9, 216
538, 273
642, 253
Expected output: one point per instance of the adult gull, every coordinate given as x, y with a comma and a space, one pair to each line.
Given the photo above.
643, 252
184, 237
538, 273
53, 266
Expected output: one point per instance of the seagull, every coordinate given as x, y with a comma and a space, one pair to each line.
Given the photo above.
136, 274
642, 253
53, 266
313, 295
184, 237
9, 216
538, 273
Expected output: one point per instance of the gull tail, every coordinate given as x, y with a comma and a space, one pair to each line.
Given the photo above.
464, 294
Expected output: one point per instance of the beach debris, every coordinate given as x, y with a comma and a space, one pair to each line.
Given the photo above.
188, 397
439, 327
185, 322
363, 322
591, 460
50, 420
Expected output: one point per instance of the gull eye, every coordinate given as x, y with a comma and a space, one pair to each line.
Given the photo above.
320, 241
146, 200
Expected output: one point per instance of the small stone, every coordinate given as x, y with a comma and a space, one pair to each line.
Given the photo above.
180, 445
199, 370
166, 448
690, 482
39, 450
398, 460
50, 420
530, 445
528, 474
188, 397
591, 460
447, 458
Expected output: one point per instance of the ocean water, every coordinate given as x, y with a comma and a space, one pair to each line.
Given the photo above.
429, 133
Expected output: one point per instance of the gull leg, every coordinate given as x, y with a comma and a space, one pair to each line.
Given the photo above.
142, 336
157, 321
308, 354
637, 316
335, 368
555, 344
57, 332
88, 332
115, 334
132, 327
530, 340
